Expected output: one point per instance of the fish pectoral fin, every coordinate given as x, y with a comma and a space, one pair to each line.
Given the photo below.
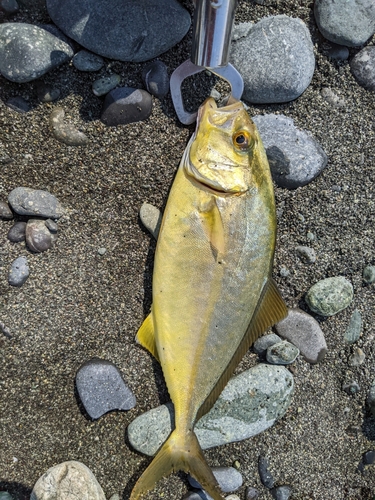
145, 336
213, 227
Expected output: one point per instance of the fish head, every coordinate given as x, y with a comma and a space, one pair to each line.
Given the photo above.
225, 150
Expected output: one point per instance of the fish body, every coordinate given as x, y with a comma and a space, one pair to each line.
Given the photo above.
213, 294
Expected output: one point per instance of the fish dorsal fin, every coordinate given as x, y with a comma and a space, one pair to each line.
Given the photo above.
145, 336
270, 310
213, 225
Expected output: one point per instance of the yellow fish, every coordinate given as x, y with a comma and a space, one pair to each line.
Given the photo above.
213, 293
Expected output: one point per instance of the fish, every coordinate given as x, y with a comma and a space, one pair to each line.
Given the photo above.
212, 289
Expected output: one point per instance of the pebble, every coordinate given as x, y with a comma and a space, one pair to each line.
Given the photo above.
363, 67
283, 353
27, 52
65, 132
115, 496
251, 493
151, 218
368, 458
156, 79
229, 479
4, 495
250, 403
102, 251
369, 275
261, 345
338, 52
87, 61
19, 272
5, 211
145, 30
51, 225
281, 492
371, 399
306, 254
18, 103
349, 22
305, 333
69, 481
330, 296
102, 388
17, 232
126, 105
196, 495
276, 60
104, 85
354, 328
38, 237
47, 93
264, 473
36, 202
284, 272
9, 7
332, 98
351, 387
295, 157
357, 358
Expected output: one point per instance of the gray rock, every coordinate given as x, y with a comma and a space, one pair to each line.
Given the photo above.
354, 328
338, 52
4, 495
229, 479
156, 79
28, 52
151, 218
38, 237
104, 85
249, 404
283, 353
17, 232
5, 212
27, 201
351, 387
363, 67
126, 105
19, 272
263, 343
102, 388
52, 226
304, 332
65, 132
9, 7
67, 481
196, 495
281, 492
264, 473
102, 251
306, 254
87, 61
357, 358
276, 60
18, 103
47, 93
251, 493
294, 156
369, 275
123, 30
332, 98
54, 30
371, 399
330, 296
241, 30
349, 23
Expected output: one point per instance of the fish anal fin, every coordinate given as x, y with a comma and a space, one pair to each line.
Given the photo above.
270, 310
145, 336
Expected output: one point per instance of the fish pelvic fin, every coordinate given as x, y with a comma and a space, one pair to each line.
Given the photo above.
146, 337
179, 452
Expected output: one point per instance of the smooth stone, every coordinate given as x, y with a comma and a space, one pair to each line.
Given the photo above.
69, 480
87, 61
232, 497
28, 201
229, 479
332, 98
104, 85
281, 492
261, 345
368, 458
283, 353
276, 60
371, 399
52, 226
17, 232
4, 495
28, 52
305, 333
38, 237
18, 103
5, 211
369, 275
357, 358
251, 493
65, 132
151, 218
9, 7
196, 495
330, 296
116, 496
295, 157
101, 388
284, 272
351, 387
47, 93
338, 52
123, 30
306, 254
264, 473
54, 30
250, 403
19, 272
363, 67
349, 22
126, 105
102, 251
354, 328
156, 79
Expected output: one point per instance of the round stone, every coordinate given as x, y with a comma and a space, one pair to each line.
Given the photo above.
282, 353
263, 343
38, 237
17, 232
28, 201
104, 85
306, 254
354, 328
5, 212
65, 132
330, 296
156, 79
126, 105
87, 61
369, 275
363, 67
19, 272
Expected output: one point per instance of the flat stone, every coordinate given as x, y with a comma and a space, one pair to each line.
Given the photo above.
69, 480
126, 105
295, 157
282, 353
123, 30
363, 67
306, 254
371, 399
250, 403
87, 61
65, 132
156, 79
27, 201
28, 52
276, 60
369, 275
261, 345
102, 388
304, 332
151, 218
229, 479
264, 473
38, 237
354, 328
18, 103
17, 232
5, 211
19, 272
104, 85
330, 296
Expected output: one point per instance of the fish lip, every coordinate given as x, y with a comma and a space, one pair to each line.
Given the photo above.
199, 181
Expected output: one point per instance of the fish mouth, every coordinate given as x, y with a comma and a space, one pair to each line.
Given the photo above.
206, 184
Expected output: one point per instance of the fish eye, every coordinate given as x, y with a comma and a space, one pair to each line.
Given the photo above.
242, 140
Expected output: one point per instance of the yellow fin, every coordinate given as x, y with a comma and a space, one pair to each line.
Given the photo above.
270, 310
146, 338
213, 226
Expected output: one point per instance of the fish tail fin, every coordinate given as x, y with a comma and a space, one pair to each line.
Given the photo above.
179, 452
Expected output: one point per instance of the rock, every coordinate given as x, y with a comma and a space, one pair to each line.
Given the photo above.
369, 275
18, 103
28, 52
357, 358
196, 495
17, 232
229, 479
4, 495
368, 458
54, 30
264, 473
102, 251
27, 201
348, 23
5, 212
9, 7
126, 105
232, 497
353, 331
281, 492
371, 399
65, 132
67, 481
332, 98
116, 496
87, 61
249, 404
47, 93
251, 493
276, 60
283, 353
123, 30
51, 225
294, 156
151, 218
19, 272
104, 85
363, 67
38, 237
261, 345
351, 387
338, 52
306, 254
304, 332
330, 296
156, 79
102, 388
241, 30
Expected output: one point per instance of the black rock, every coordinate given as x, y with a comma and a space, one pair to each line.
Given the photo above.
156, 79
265, 475
18, 104
126, 105
369, 457
5, 211
17, 232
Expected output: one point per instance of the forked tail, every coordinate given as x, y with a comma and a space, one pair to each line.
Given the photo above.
179, 452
